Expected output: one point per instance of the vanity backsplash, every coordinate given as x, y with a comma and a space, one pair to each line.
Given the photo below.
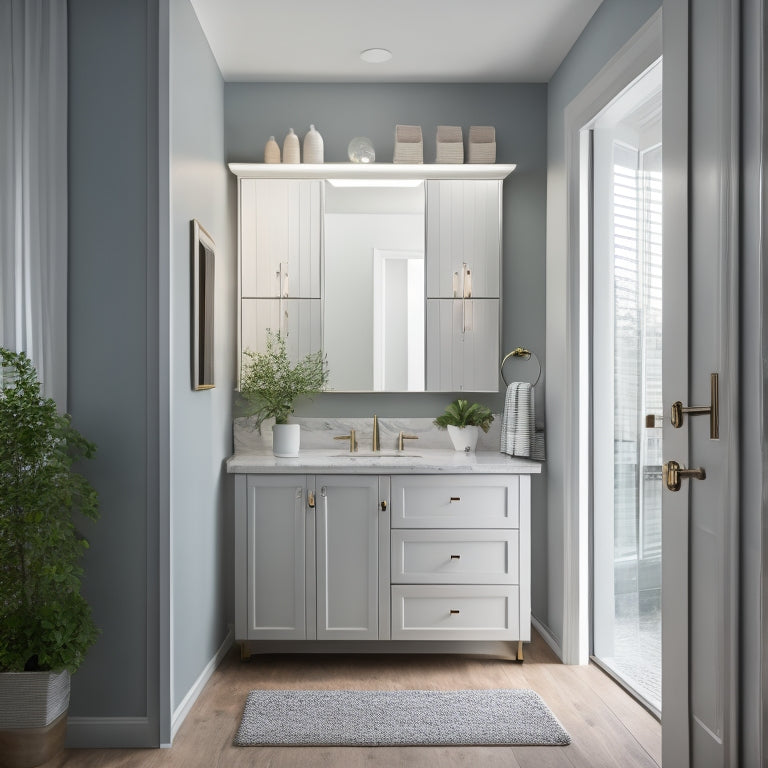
319, 433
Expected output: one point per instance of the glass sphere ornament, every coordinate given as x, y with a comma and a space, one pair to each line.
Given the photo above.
360, 150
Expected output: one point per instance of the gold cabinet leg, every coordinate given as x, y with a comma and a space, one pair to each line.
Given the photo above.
520, 651
245, 652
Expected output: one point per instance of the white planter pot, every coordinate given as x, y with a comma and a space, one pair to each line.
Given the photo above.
33, 717
285, 440
464, 438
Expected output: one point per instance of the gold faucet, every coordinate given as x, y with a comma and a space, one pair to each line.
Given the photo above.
402, 436
375, 442
352, 437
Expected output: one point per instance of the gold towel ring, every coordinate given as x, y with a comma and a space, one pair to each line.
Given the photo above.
520, 352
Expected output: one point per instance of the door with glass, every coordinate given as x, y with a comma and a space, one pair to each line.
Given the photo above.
626, 377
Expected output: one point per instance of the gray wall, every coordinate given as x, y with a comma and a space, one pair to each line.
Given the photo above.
112, 356
254, 111
200, 422
614, 22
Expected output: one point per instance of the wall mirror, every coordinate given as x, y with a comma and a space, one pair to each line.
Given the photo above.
374, 292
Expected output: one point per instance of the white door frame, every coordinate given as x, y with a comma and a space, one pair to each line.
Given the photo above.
642, 50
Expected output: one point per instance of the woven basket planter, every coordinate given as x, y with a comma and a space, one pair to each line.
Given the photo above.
33, 717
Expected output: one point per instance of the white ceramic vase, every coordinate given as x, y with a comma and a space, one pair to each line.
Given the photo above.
464, 438
313, 146
285, 440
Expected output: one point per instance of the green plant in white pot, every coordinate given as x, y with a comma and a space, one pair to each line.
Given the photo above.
270, 385
45, 623
464, 420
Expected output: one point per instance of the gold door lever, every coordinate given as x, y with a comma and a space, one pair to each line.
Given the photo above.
673, 474
713, 409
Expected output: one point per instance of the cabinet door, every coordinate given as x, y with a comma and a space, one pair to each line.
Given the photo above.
347, 557
280, 237
278, 531
463, 238
297, 320
463, 349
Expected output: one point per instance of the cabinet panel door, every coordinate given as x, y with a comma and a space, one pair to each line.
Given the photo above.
347, 557
297, 320
276, 530
280, 237
463, 349
463, 228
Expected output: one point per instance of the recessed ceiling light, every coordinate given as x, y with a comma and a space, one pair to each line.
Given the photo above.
376, 55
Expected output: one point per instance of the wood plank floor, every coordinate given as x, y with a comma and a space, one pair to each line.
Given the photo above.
607, 727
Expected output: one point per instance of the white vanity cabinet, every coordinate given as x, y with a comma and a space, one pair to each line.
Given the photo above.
279, 238
352, 532
461, 558
463, 238
308, 557
381, 557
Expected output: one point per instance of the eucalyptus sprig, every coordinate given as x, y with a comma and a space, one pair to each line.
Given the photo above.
462, 413
45, 623
269, 384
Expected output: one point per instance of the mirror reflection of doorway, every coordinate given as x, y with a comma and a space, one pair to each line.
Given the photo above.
626, 187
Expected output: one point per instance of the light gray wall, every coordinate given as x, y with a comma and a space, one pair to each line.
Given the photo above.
255, 111
200, 422
112, 356
614, 22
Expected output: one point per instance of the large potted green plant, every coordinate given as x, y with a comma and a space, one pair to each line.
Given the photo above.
464, 420
45, 623
270, 384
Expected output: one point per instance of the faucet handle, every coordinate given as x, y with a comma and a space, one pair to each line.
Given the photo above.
352, 437
401, 437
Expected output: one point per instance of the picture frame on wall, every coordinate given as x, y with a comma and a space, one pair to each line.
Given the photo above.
203, 257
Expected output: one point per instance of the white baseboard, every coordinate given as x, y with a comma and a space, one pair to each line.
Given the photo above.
186, 703
109, 732
547, 636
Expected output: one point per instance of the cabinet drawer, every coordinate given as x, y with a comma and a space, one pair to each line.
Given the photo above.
478, 501
442, 612
455, 556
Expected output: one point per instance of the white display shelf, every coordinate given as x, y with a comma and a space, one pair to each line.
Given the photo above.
371, 171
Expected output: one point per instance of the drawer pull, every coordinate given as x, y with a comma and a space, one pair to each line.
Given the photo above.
454, 610
455, 498
455, 557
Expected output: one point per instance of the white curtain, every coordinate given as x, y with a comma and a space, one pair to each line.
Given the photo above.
33, 186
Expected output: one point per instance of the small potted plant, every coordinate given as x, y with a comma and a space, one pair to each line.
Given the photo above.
45, 623
269, 385
464, 420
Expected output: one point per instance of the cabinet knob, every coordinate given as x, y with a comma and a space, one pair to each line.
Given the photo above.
384, 506
455, 557
454, 610
455, 498
311, 499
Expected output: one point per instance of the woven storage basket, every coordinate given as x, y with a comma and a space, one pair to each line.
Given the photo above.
450, 144
409, 147
482, 144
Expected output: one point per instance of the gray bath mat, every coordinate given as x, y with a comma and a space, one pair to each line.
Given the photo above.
379, 718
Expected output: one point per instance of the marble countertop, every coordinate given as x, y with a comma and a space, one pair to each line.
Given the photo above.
414, 461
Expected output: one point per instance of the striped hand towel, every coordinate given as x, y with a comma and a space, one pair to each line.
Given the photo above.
519, 436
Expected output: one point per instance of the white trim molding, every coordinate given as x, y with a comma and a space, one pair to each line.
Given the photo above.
181, 712
642, 50
547, 637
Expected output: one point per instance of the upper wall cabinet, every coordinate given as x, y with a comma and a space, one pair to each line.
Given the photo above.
280, 223
463, 238
394, 271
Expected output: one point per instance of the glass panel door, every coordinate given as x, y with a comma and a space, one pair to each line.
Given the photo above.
626, 386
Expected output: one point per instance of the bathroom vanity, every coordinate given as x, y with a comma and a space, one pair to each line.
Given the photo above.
386, 552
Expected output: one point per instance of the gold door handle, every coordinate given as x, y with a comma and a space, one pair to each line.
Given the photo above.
384, 506
311, 499
713, 409
673, 475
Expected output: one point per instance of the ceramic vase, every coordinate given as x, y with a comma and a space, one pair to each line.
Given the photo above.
313, 146
285, 440
291, 153
464, 438
272, 151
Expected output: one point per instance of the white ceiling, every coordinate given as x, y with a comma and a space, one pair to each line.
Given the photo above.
485, 41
